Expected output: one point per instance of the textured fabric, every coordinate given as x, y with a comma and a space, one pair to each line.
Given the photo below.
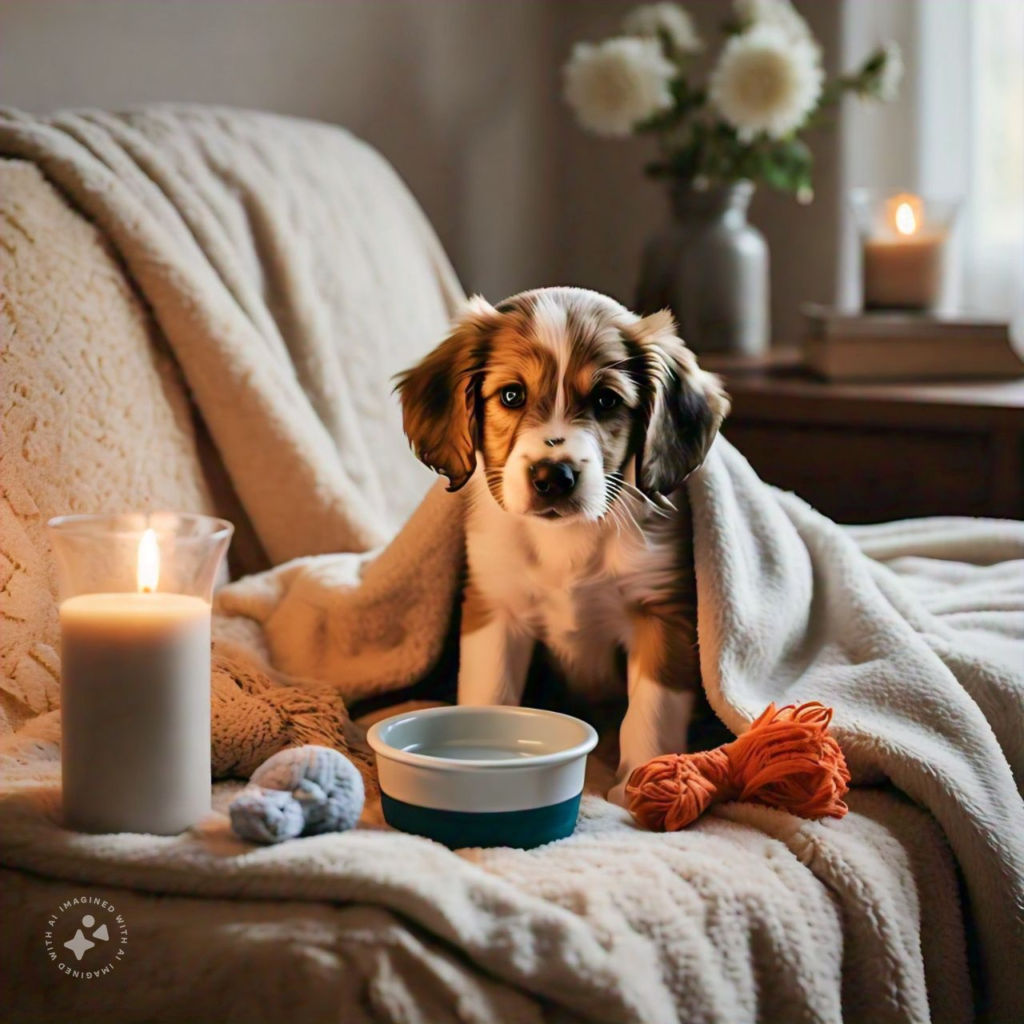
254, 714
921, 655
749, 915
368, 623
269, 251
94, 415
926, 677
856, 918
267, 257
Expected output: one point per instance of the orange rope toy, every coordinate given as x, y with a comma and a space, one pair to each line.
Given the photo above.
786, 759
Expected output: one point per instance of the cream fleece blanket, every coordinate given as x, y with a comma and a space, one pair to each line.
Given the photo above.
247, 235
913, 632
751, 914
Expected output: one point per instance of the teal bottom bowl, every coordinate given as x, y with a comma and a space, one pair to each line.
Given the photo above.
456, 829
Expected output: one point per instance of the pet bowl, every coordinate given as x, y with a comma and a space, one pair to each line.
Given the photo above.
482, 776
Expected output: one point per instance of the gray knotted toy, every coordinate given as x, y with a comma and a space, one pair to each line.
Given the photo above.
299, 792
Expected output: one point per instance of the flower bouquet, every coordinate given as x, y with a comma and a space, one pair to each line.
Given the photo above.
718, 135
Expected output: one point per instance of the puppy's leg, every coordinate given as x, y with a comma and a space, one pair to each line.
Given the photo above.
662, 694
494, 654
655, 724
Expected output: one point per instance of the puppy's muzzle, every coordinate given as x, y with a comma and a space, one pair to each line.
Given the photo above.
552, 481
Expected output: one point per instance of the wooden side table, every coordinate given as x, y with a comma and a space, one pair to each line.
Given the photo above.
864, 453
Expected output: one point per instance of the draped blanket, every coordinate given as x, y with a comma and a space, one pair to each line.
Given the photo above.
913, 632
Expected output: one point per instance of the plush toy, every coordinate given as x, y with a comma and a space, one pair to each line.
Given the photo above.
299, 792
786, 759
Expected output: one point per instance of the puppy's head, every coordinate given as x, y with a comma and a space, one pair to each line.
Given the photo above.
554, 392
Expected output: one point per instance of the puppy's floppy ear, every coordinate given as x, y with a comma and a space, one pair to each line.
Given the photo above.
439, 395
684, 405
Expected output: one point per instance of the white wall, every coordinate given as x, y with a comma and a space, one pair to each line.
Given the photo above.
463, 96
456, 94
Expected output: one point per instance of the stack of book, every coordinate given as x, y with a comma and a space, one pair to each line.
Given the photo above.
907, 346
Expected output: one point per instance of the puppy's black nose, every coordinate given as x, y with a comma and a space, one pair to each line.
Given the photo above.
552, 479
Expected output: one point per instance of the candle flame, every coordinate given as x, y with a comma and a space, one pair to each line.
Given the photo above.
906, 222
149, 562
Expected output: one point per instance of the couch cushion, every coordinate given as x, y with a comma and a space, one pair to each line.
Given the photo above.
94, 414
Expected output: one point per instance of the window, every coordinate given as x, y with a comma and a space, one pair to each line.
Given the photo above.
957, 131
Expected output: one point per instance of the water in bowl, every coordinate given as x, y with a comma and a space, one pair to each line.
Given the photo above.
480, 750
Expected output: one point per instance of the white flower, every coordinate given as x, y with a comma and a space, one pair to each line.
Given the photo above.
765, 82
890, 74
664, 21
615, 85
779, 14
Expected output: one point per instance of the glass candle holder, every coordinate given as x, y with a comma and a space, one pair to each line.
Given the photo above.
904, 243
135, 593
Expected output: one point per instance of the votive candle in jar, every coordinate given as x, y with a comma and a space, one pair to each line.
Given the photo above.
904, 245
135, 593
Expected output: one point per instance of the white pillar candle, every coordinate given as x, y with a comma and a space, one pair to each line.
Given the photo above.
903, 246
135, 668
905, 271
135, 706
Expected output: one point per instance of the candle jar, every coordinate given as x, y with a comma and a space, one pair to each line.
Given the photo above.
903, 248
135, 594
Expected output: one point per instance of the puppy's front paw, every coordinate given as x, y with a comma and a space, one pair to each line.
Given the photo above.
617, 794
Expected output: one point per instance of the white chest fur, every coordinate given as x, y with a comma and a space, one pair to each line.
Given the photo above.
570, 587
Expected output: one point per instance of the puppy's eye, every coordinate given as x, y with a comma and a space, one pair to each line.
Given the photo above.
512, 395
606, 400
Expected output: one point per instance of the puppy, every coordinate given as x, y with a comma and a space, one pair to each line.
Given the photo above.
573, 423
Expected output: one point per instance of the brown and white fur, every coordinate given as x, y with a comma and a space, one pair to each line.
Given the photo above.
573, 422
